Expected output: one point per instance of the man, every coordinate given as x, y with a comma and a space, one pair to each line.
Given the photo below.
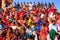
53, 28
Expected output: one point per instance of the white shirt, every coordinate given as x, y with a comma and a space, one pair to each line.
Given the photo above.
55, 27
14, 27
58, 28
29, 31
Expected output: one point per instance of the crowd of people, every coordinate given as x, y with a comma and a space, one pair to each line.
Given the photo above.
27, 21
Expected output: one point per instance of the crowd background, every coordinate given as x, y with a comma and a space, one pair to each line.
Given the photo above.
27, 21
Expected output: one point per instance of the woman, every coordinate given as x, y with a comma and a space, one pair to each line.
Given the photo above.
43, 32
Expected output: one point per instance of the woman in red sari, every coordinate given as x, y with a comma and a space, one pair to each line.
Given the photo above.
43, 32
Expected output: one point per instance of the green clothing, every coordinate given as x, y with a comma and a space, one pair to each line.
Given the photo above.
52, 34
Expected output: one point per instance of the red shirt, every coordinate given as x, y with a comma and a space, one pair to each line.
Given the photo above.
35, 11
7, 21
38, 11
18, 15
46, 11
53, 9
22, 14
1, 38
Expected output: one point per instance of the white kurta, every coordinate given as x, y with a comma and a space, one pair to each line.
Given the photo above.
55, 27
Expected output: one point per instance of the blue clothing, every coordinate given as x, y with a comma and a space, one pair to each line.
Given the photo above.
24, 37
32, 29
27, 35
40, 22
38, 28
3, 25
0, 26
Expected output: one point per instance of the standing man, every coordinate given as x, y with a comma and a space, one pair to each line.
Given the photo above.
53, 28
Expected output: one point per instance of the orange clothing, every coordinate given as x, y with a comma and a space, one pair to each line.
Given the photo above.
7, 35
43, 33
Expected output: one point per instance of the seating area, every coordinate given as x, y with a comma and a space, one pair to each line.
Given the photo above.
30, 21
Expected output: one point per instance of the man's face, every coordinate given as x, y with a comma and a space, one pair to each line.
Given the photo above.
54, 23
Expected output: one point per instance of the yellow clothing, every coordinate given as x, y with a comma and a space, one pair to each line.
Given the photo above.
30, 22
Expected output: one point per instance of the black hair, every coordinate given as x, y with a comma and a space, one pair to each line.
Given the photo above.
19, 24
11, 30
44, 24
14, 23
32, 36
28, 26
53, 21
